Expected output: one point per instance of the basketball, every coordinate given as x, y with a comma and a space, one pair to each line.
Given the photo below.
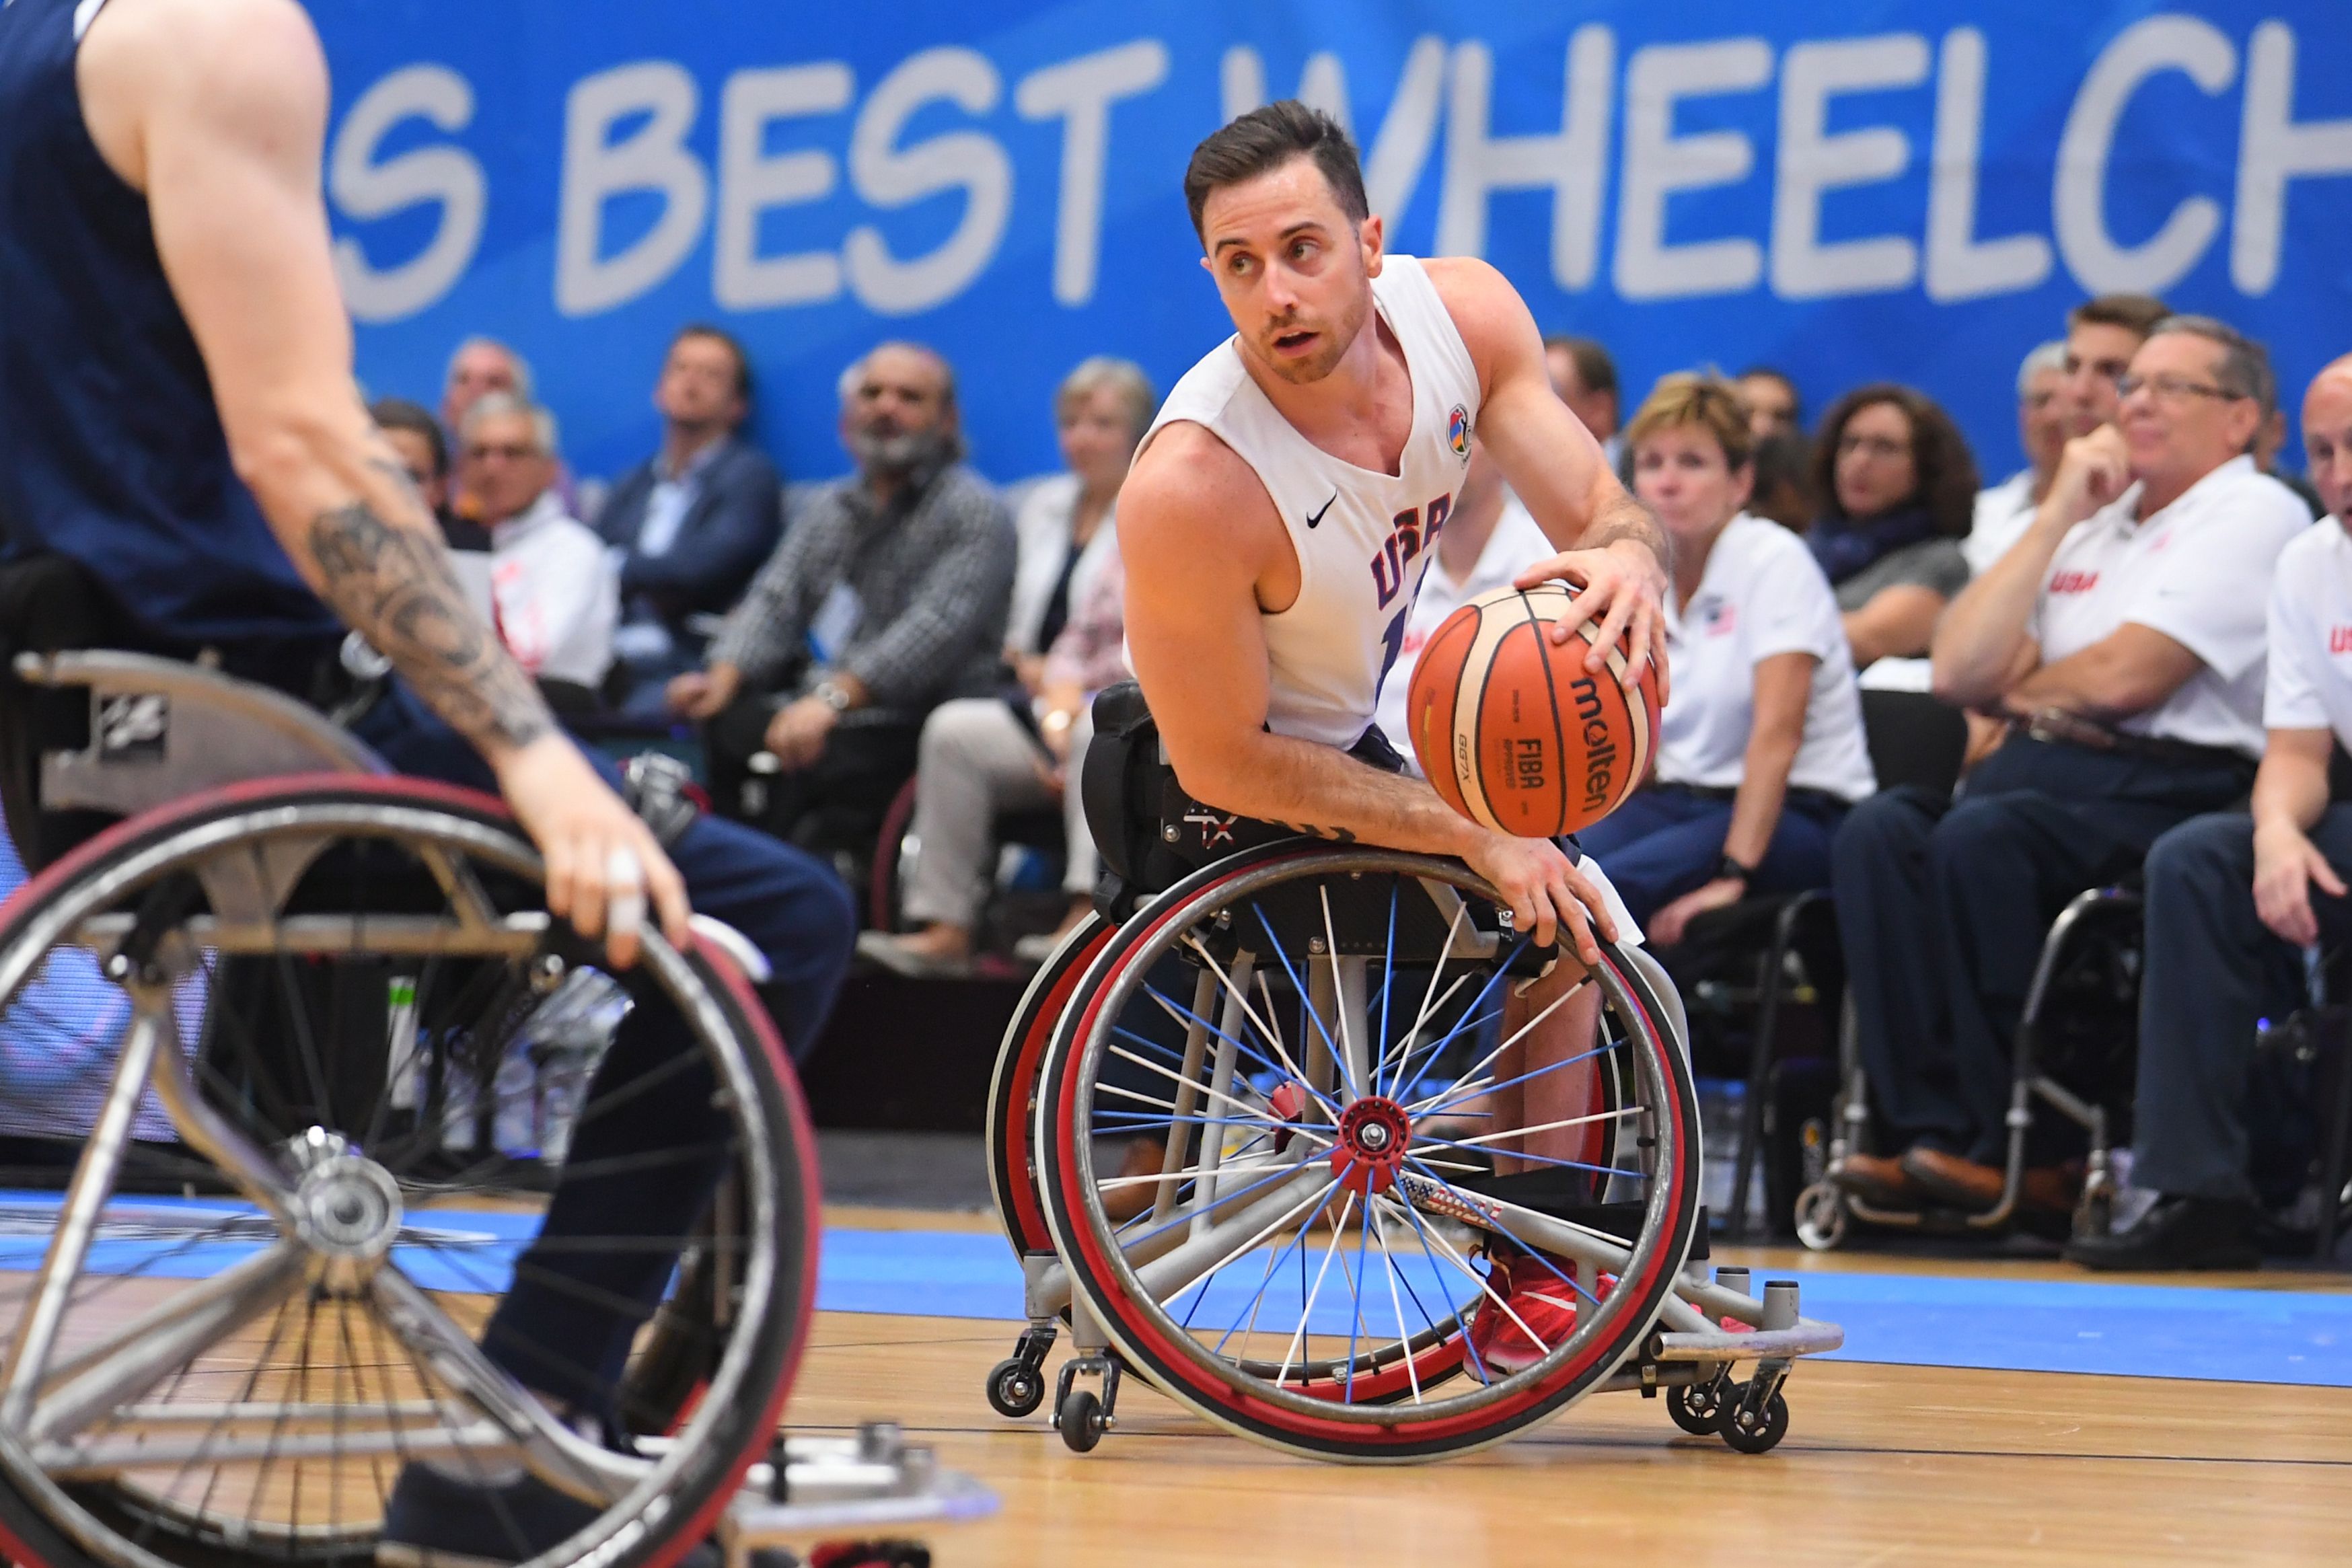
1512, 730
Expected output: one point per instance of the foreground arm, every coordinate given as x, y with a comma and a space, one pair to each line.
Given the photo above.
1198, 532
1612, 549
2290, 794
216, 110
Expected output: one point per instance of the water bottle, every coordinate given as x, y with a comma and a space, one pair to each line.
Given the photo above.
461, 1092
404, 1056
563, 1088
514, 1121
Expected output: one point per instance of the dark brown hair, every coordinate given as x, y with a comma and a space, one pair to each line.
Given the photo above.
1265, 140
1595, 371
727, 340
399, 413
2135, 313
1944, 471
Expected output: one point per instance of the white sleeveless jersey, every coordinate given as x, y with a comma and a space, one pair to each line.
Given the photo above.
1363, 540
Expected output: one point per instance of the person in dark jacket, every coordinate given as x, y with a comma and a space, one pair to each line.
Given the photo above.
694, 523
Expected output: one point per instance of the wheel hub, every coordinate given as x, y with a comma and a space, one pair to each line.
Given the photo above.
347, 1207
1373, 1135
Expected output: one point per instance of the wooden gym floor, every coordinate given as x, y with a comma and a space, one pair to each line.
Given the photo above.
1884, 1465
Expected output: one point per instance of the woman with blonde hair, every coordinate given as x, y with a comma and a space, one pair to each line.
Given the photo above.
1761, 750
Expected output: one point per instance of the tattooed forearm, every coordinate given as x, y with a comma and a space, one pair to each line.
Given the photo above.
394, 586
1337, 836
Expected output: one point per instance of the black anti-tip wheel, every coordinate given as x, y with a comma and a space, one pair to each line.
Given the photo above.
1755, 1431
1015, 1388
1082, 1422
1697, 1409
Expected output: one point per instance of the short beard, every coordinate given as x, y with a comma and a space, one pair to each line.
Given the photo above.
1336, 344
896, 456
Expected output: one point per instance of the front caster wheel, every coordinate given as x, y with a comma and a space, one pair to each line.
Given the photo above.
1082, 1422
1754, 1431
1015, 1388
1698, 1409
1821, 1217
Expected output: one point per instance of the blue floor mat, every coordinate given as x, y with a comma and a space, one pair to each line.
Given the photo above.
1905, 1320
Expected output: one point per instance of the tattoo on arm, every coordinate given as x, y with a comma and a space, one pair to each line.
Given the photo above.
1337, 836
394, 585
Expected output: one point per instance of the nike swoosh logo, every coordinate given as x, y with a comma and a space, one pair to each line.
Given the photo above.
1315, 517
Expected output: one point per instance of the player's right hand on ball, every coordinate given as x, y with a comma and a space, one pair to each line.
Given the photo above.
1544, 891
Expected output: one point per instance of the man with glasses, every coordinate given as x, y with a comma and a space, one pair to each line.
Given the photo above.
556, 593
2233, 901
2123, 634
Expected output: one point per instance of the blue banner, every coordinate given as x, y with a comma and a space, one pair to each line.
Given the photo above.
1907, 189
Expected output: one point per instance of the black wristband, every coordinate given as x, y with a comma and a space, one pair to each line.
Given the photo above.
1728, 867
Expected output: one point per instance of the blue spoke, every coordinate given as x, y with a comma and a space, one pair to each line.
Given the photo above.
1355, 1320
1250, 1307
1435, 1049
1438, 1105
1477, 1297
1140, 1119
1280, 1173
1190, 1016
1513, 1155
1306, 1002
1499, 1229
1388, 982
1501, 969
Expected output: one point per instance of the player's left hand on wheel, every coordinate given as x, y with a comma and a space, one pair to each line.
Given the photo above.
603, 865
1624, 585
1548, 897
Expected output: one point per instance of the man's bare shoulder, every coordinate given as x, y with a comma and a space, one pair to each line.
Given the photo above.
243, 65
1494, 321
1188, 486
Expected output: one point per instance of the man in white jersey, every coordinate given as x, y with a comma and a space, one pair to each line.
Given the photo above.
1281, 511
2231, 908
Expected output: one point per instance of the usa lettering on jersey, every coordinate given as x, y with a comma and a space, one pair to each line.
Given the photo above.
1408, 536
2073, 582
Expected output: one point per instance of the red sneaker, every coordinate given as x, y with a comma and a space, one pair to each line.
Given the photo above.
1542, 1313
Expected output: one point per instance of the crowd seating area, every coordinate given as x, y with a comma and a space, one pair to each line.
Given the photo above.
1920, 710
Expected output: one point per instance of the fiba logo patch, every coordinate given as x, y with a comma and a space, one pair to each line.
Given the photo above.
1457, 431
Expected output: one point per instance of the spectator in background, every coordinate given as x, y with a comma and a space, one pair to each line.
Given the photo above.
556, 599
2102, 336
2002, 510
1784, 482
1773, 406
2124, 632
1066, 530
984, 757
482, 366
887, 597
1898, 490
691, 525
2232, 907
2268, 445
1761, 752
1585, 377
416, 436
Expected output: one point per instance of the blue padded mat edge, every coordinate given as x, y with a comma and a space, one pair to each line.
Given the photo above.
2243, 1335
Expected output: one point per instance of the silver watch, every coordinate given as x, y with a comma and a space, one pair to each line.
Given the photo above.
831, 696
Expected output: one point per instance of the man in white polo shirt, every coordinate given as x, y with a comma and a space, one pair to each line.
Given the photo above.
2124, 634
2234, 898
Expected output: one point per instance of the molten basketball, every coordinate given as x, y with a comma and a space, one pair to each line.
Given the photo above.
1510, 727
